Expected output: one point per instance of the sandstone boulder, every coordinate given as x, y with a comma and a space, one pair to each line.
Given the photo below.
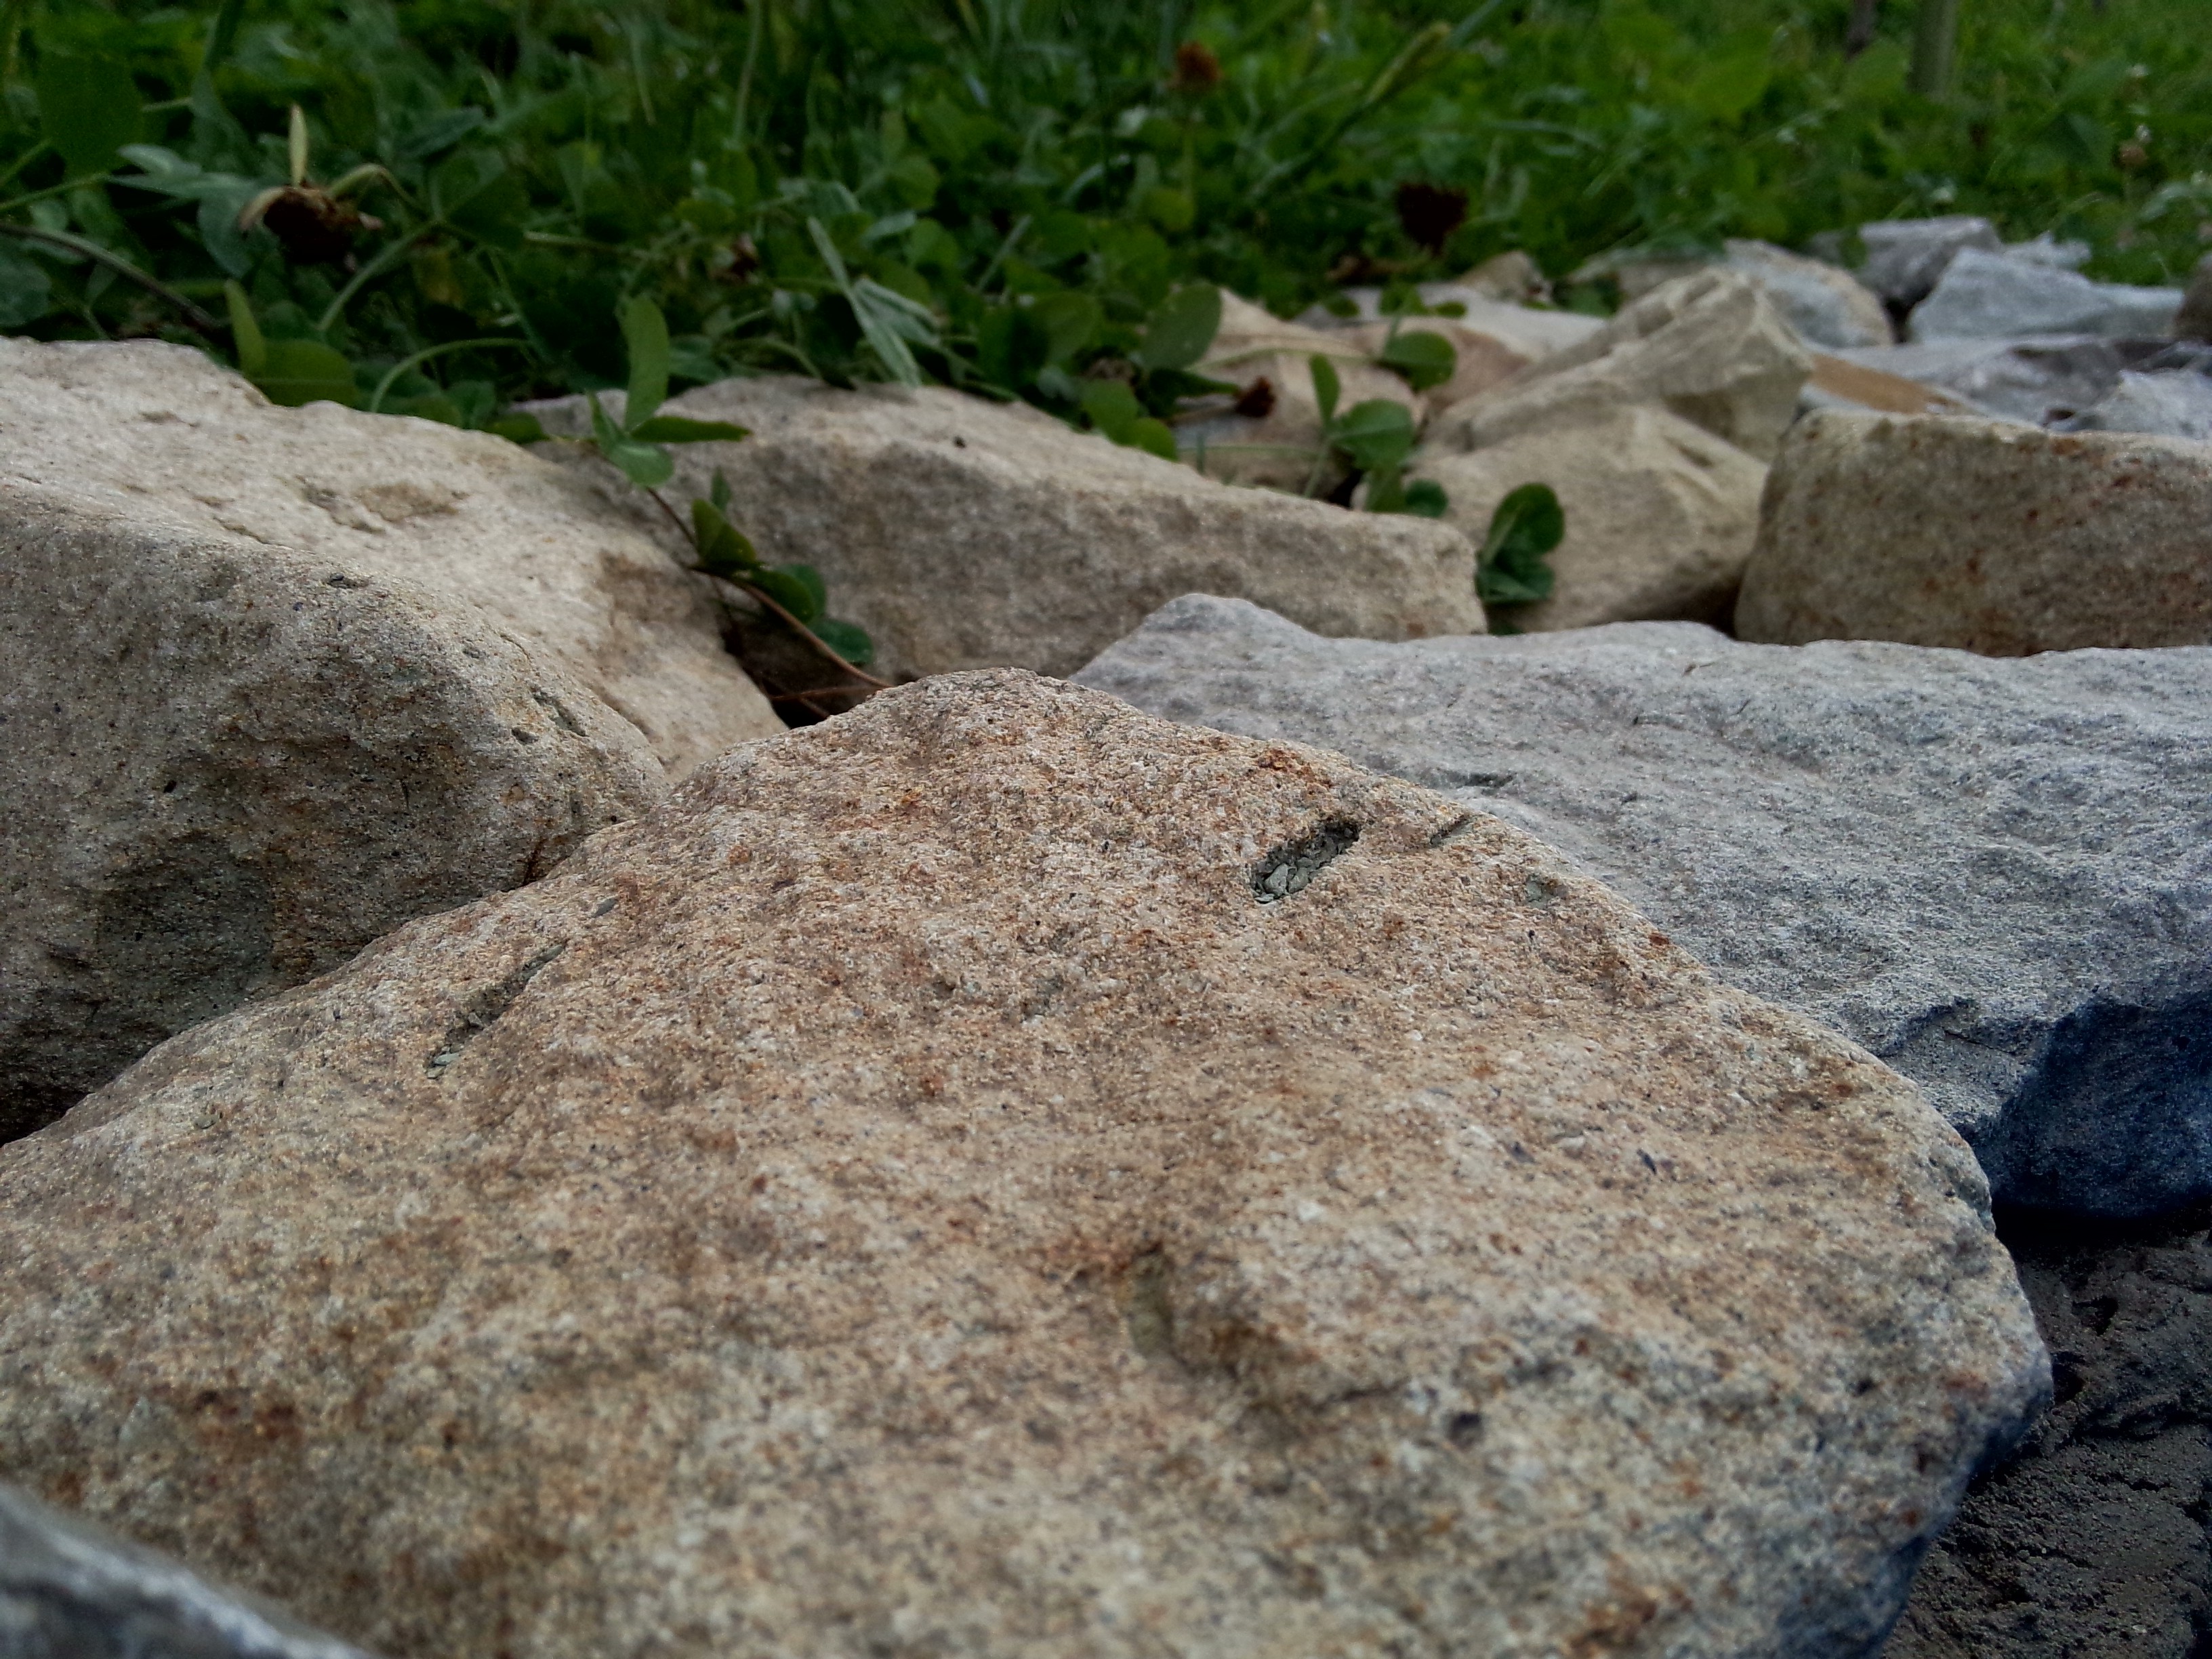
1279, 446
1998, 875
1983, 535
273, 681
937, 1187
963, 534
68, 1590
1709, 347
1993, 296
1660, 514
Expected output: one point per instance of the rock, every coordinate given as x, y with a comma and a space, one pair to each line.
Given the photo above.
277, 680
1660, 514
462, 515
1906, 257
962, 534
69, 1590
2030, 381
1823, 305
1529, 331
2194, 320
1511, 277
1839, 383
1981, 534
1281, 447
2048, 250
1710, 348
2091, 1540
913, 1194
1996, 875
1993, 297
2167, 405
1483, 360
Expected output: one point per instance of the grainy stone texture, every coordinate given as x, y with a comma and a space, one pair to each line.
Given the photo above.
1710, 348
910, 1195
470, 520
1660, 514
963, 534
274, 681
68, 1590
1906, 257
1282, 449
1996, 875
2091, 1543
1983, 535
1994, 296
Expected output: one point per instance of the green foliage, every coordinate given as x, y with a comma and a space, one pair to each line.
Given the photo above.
1511, 568
1023, 198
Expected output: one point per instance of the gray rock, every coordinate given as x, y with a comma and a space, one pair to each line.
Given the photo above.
965, 534
2048, 250
72, 1591
1906, 257
1982, 535
2177, 405
1998, 875
2018, 380
1993, 296
1825, 305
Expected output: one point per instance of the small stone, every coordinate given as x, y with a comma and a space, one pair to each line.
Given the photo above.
1906, 257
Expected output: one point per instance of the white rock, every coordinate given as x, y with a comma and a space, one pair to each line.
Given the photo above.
2030, 381
1660, 514
1824, 305
963, 533
1990, 296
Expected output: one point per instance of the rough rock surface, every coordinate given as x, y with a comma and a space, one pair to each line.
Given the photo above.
1906, 257
911, 1195
963, 534
1824, 305
68, 1590
1660, 514
1982, 535
274, 681
1992, 297
2092, 1543
160, 432
1710, 348
2030, 381
1996, 875
1281, 449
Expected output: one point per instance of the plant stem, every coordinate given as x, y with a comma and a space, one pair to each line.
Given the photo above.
41, 148
754, 26
121, 266
1934, 38
394, 252
376, 398
62, 189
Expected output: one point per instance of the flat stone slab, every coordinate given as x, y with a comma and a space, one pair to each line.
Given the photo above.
998, 1175
1996, 874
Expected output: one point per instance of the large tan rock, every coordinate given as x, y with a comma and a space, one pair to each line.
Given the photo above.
1709, 347
470, 520
998, 1174
1983, 535
1660, 514
963, 534
274, 681
1281, 448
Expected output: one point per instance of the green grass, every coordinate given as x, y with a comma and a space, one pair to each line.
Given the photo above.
996, 194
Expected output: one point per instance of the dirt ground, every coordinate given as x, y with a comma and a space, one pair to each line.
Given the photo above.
2092, 1542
